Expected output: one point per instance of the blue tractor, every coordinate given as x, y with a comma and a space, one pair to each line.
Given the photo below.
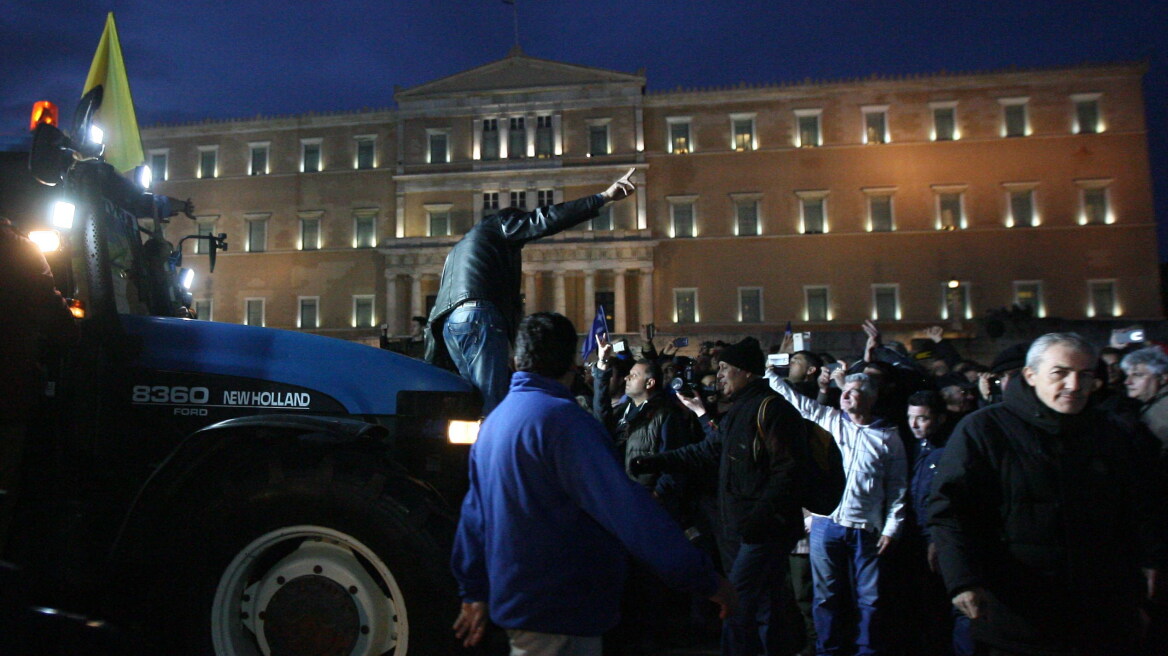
235, 490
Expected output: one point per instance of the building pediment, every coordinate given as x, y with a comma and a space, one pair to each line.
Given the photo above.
517, 73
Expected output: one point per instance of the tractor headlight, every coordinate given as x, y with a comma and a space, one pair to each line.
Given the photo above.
62, 215
463, 432
49, 241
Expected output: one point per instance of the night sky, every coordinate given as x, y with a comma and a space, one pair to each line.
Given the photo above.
199, 59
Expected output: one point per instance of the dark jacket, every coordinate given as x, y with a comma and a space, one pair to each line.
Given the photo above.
1051, 516
759, 481
487, 263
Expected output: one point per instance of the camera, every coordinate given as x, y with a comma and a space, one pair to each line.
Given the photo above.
686, 383
779, 360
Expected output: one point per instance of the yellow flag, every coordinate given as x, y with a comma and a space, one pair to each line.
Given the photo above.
123, 144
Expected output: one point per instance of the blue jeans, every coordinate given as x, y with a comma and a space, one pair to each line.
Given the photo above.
757, 574
844, 566
477, 342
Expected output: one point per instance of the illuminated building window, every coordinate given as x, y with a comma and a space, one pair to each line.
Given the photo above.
742, 137
438, 143
158, 164
875, 124
685, 305
519, 199
746, 223
886, 302
1087, 118
808, 129
204, 309
1095, 201
364, 228
949, 205
516, 138
308, 315
208, 161
438, 219
682, 215
310, 230
544, 137
750, 304
253, 311
880, 210
257, 233
1028, 295
955, 300
603, 220
545, 197
366, 152
598, 138
310, 155
813, 211
944, 121
490, 204
1102, 299
204, 226
257, 163
1015, 117
363, 311
680, 135
489, 139
816, 303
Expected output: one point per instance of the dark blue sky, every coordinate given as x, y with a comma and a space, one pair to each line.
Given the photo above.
200, 59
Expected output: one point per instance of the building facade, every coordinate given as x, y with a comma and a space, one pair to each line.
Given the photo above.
911, 201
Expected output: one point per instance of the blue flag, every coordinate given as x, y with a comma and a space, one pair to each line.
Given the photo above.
599, 327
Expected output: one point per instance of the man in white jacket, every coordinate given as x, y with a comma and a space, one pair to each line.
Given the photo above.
846, 546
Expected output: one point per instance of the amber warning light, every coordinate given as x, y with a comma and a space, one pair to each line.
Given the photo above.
45, 112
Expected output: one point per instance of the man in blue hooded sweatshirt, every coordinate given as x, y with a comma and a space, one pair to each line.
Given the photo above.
551, 517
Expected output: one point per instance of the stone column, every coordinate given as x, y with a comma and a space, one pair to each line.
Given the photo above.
392, 314
619, 313
530, 304
589, 296
645, 302
561, 292
417, 303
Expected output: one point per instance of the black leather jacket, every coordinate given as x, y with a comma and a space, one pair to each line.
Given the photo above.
487, 264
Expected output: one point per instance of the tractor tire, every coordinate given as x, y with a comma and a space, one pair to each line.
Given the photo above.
312, 552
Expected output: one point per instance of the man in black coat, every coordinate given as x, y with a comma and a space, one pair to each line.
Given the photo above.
1043, 517
479, 304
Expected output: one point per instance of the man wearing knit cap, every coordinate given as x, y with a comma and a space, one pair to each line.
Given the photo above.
759, 487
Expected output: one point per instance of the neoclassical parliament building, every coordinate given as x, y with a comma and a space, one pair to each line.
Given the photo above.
909, 200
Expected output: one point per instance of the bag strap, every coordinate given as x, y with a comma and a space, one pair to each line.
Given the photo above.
757, 446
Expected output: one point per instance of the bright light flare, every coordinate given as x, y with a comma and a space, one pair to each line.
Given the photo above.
187, 278
62, 215
463, 432
96, 134
49, 241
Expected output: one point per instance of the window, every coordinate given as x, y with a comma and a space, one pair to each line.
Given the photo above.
257, 234
364, 229
363, 311
204, 309
439, 144
1087, 117
603, 220
310, 231
944, 121
886, 302
746, 216
490, 139
813, 211
158, 164
1095, 202
544, 197
950, 206
680, 140
598, 139
607, 300
366, 152
253, 313
750, 304
681, 210
742, 132
880, 217
1021, 212
685, 305
544, 137
955, 300
1102, 301
258, 162
1015, 122
815, 302
519, 199
875, 124
204, 226
307, 317
310, 155
517, 138
808, 128
439, 219
490, 202
208, 161
1028, 294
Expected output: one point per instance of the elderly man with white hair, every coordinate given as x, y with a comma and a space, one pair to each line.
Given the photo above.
1044, 517
1147, 382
